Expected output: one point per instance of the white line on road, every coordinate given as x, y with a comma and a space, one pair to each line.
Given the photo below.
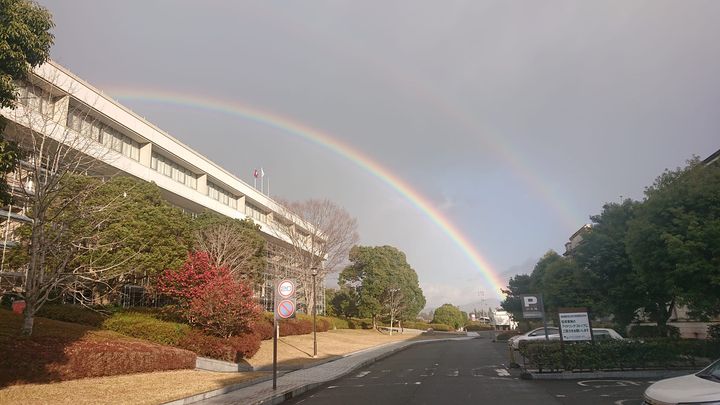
362, 374
502, 372
453, 373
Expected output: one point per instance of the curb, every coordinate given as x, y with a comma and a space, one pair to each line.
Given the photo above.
606, 374
216, 392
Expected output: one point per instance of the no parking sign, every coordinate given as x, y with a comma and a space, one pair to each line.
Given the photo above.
285, 299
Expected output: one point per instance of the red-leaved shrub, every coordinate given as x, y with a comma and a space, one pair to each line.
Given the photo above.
209, 298
264, 329
232, 349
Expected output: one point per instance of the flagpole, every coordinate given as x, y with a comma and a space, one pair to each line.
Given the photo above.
268, 193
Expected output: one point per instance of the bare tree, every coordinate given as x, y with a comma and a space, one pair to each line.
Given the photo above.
233, 244
59, 139
319, 235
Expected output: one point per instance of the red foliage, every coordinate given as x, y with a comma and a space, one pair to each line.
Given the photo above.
209, 297
43, 359
233, 349
186, 283
264, 328
223, 308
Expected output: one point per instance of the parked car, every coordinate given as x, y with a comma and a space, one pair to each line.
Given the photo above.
535, 334
554, 334
699, 388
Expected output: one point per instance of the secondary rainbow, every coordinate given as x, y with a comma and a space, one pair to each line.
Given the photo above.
325, 140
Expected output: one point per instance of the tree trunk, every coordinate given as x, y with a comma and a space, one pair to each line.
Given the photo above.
28, 319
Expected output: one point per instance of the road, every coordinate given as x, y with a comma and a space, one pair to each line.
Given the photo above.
469, 371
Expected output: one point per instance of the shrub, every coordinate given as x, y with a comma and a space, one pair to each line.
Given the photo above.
232, 349
289, 327
223, 307
714, 332
617, 354
362, 323
72, 313
185, 284
416, 325
144, 326
474, 327
440, 327
263, 328
504, 336
654, 331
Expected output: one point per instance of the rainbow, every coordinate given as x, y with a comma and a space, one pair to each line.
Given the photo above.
326, 141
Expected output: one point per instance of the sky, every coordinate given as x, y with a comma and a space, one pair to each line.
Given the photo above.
514, 121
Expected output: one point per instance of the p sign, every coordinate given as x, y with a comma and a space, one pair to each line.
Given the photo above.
532, 306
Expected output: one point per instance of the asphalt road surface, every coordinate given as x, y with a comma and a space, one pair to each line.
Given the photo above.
463, 372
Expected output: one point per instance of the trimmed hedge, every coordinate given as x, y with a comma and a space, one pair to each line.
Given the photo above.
416, 325
477, 326
505, 336
361, 323
441, 327
618, 354
72, 313
232, 349
145, 326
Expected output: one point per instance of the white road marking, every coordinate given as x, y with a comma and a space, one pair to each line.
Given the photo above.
332, 386
417, 383
611, 383
453, 373
386, 371
502, 372
560, 395
362, 374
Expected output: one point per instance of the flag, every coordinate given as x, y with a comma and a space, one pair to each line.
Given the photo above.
262, 172
255, 173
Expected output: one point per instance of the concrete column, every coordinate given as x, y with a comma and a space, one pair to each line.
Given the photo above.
146, 154
241, 204
202, 187
62, 105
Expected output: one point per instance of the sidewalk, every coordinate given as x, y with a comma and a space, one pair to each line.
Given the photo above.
294, 383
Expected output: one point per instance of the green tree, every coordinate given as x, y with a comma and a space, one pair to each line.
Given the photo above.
618, 289
25, 41
384, 283
449, 315
674, 241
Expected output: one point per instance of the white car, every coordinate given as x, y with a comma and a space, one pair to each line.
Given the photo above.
535, 334
554, 334
702, 388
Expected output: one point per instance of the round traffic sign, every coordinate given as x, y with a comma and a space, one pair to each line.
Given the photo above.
285, 309
286, 289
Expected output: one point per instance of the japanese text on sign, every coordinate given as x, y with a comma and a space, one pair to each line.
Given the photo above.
575, 326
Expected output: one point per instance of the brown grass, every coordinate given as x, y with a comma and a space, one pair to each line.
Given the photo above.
59, 351
146, 388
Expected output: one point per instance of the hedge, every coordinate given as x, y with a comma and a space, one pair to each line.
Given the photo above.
714, 332
477, 326
145, 326
506, 335
72, 313
232, 349
618, 354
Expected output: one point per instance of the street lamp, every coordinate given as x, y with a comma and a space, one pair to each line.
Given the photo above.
314, 309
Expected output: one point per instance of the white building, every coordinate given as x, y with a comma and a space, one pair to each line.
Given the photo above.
133, 146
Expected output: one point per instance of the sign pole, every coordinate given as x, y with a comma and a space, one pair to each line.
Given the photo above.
275, 335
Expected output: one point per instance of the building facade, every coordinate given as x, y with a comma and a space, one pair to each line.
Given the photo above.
125, 143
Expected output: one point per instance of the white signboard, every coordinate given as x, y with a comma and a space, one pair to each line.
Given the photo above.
575, 326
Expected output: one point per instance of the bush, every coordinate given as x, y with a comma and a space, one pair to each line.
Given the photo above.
477, 326
290, 327
440, 327
362, 323
263, 328
232, 349
505, 336
335, 322
714, 332
618, 354
416, 325
72, 313
223, 307
145, 326
654, 331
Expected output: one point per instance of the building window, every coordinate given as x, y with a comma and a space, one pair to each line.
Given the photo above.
218, 193
36, 99
173, 170
89, 126
255, 213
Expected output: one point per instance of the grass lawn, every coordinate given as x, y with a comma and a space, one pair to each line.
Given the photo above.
59, 351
